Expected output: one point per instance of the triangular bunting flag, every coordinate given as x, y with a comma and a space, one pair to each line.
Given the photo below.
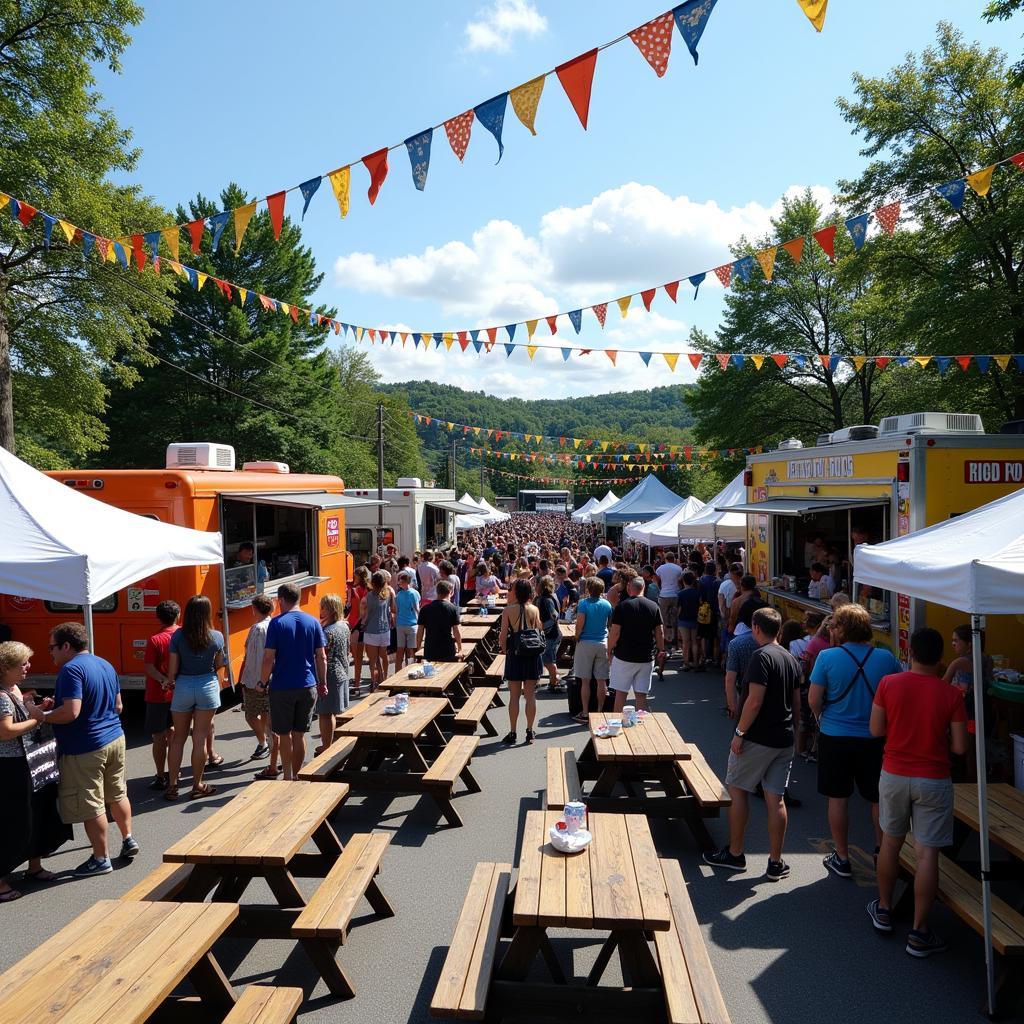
858, 228
724, 274
654, 41
511, 330
611, 353
691, 18
881, 362
509, 349
576, 319
275, 204
826, 238
1018, 160
202, 278
983, 363
922, 361
577, 76
648, 298
243, 214
139, 252
458, 130
646, 357
624, 305
600, 311
48, 223
888, 216
766, 257
195, 232
566, 352
671, 290
758, 361
171, 238
449, 340
795, 248
723, 360
1002, 361
308, 190
780, 359
418, 147
815, 11
525, 100
340, 180
858, 362
698, 279
153, 241
218, 222
532, 350
953, 192
696, 358
492, 335
942, 362
671, 358
738, 359
492, 116
965, 361
742, 268
981, 181
24, 213
69, 230
377, 166
552, 324
531, 326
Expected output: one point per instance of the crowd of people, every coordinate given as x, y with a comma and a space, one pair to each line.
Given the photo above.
817, 687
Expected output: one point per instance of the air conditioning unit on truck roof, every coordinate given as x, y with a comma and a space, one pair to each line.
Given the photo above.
201, 455
932, 423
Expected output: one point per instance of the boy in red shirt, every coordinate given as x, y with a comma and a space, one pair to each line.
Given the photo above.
158, 722
922, 718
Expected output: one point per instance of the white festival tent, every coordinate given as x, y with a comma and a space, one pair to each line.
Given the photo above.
57, 544
663, 530
470, 521
714, 521
494, 515
975, 564
582, 514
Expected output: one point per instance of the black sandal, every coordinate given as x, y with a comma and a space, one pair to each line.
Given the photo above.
509, 739
529, 737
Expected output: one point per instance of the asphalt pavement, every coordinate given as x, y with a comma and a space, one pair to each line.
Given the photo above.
799, 950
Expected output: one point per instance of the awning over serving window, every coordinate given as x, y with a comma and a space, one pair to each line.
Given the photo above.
787, 506
460, 508
316, 500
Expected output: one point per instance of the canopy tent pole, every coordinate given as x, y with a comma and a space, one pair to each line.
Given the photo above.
90, 634
977, 625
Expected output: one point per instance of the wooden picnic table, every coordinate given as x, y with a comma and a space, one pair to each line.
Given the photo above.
468, 651
472, 631
119, 961
500, 600
567, 630
474, 618
1005, 813
448, 680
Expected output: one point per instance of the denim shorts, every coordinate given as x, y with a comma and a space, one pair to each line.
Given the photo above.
196, 693
551, 651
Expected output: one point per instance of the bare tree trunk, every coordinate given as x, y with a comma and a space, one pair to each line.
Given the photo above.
6, 386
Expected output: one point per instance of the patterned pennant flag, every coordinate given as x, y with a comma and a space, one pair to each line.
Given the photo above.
742, 268
340, 180
218, 222
766, 257
195, 232
171, 238
525, 99
691, 19
671, 358
795, 248
953, 192
672, 290
815, 11
826, 238
418, 147
458, 130
981, 181
654, 41
511, 329
698, 279
611, 353
624, 305
723, 360
576, 319
275, 204
696, 358
243, 214
888, 216
724, 274
88, 241
492, 116
577, 76
780, 359
600, 311
648, 298
566, 352
858, 228
377, 166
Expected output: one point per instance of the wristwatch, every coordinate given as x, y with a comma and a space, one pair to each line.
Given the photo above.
738, 733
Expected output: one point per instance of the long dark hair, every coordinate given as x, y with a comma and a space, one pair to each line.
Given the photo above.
197, 623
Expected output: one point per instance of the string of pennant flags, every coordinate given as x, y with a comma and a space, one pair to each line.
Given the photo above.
649, 458
589, 481
135, 249
653, 39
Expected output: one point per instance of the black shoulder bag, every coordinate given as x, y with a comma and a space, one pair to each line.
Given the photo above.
527, 643
40, 750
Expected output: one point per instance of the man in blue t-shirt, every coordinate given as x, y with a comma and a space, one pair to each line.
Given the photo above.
296, 656
90, 742
591, 658
843, 684
407, 608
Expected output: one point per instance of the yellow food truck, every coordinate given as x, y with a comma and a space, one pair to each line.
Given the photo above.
865, 484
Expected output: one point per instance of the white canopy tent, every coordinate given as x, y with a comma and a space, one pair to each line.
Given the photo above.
663, 530
494, 515
582, 514
57, 544
714, 521
975, 564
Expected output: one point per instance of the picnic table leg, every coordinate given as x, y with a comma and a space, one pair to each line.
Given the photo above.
433, 734
283, 886
488, 726
472, 786
638, 964
203, 880
326, 840
447, 808
414, 759
606, 780
551, 959
322, 953
521, 953
603, 957
693, 818
231, 888
211, 984
378, 900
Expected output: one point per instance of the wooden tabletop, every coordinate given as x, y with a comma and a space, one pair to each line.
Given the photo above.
474, 631
445, 675
268, 822
1005, 813
614, 883
116, 962
500, 601
373, 722
476, 619
364, 704
567, 630
468, 650
655, 739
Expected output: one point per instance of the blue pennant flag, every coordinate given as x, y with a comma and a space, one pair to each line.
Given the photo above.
983, 363
509, 349
15, 208
492, 116
416, 339
737, 358
576, 319
953, 191
1019, 361
691, 18
566, 352
153, 241
48, 223
511, 328
193, 279
903, 360
473, 336
122, 258
88, 241
477, 345
942, 362
858, 228
419, 156
438, 340
741, 268
697, 280
646, 357
218, 223
312, 319
308, 190
801, 361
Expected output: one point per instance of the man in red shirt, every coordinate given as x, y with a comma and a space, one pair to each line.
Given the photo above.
922, 718
158, 696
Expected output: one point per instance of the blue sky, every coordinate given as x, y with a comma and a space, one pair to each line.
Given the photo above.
670, 172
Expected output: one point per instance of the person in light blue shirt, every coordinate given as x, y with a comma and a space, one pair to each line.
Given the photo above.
843, 684
407, 617
593, 614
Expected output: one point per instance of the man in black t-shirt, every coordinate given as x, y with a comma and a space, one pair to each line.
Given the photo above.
762, 746
439, 622
633, 634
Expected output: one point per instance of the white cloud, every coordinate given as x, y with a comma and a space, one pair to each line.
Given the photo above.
496, 26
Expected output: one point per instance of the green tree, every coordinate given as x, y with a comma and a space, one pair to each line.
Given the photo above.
64, 319
956, 274
1001, 10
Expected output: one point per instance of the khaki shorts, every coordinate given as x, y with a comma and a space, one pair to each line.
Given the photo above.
88, 782
924, 806
255, 702
757, 763
590, 660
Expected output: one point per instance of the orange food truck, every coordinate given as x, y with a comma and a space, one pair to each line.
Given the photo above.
294, 522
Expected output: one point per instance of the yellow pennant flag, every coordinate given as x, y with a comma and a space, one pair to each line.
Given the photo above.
525, 99
758, 361
171, 238
68, 229
858, 362
980, 181
531, 326
111, 256
201, 280
922, 361
243, 214
604, 446
815, 10
624, 305
671, 358
285, 308
1002, 361
532, 349
359, 334
576, 442
243, 294
449, 340
339, 183
766, 257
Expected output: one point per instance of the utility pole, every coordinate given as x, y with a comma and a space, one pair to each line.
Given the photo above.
455, 482
481, 476
380, 469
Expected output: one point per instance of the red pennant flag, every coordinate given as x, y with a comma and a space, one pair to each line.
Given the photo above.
377, 165
696, 358
373, 335
294, 311
654, 41
553, 323
275, 204
600, 311
648, 297
577, 76
688, 452
826, 360
780, 359
139, 248
1018, 159
723, 359
26, 213
195, 231
672, 289
463, 340
964, 362
724, 274
826, 238
458, 130
888, 216
882, 362
492, 334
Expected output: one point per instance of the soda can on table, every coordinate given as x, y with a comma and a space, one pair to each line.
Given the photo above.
575, 815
